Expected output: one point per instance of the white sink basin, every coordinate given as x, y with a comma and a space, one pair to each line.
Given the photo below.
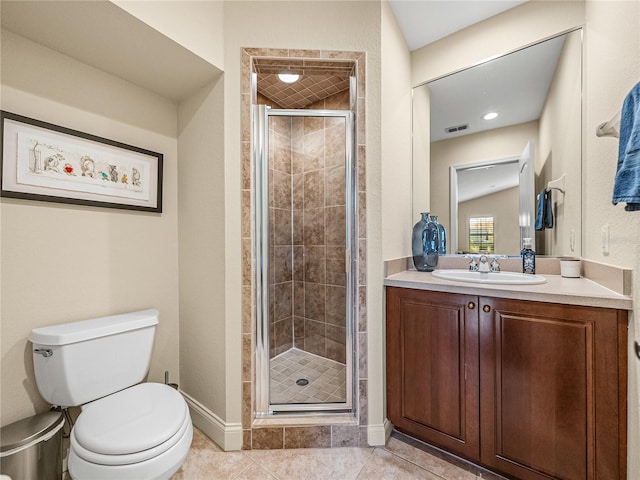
499, 278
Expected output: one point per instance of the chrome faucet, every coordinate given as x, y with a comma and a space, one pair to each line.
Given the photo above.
484, 264
473, 265
495, 266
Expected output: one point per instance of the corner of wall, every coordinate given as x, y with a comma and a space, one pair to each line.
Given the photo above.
377, 435
227, 436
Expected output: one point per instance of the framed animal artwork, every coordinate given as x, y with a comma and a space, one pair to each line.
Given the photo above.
46, 162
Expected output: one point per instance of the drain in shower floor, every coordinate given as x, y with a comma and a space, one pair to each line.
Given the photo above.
302, 382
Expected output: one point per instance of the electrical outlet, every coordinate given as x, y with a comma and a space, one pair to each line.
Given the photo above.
605, 239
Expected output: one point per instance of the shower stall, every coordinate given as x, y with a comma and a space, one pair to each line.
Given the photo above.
305, 244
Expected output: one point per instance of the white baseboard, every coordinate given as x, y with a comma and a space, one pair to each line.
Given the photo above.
377, 435
227, 436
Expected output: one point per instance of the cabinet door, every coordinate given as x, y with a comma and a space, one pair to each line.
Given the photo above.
432, 368
551, 390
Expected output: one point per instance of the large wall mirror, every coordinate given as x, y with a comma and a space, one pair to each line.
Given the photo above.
484, 177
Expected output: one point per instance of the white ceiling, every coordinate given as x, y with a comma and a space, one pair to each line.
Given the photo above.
515, 86
480, 181
425, 21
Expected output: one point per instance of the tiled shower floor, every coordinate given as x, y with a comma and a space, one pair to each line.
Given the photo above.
327, 378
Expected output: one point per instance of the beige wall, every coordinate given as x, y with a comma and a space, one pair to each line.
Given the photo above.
196, 25
559, 150
612, 48
496, 144
63, 263
396, 139
201, 202
395, 200
503, 207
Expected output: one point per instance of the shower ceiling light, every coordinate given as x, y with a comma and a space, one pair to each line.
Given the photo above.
288, 77
490, 116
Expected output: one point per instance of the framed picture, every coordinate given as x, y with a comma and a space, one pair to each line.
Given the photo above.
42, 161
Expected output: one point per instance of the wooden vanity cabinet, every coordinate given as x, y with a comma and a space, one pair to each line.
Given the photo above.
547, 382
432, 368
553, 390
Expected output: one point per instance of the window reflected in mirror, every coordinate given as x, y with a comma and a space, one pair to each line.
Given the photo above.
481, 235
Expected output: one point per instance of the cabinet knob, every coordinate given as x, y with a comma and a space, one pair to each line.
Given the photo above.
486, 309
471, 305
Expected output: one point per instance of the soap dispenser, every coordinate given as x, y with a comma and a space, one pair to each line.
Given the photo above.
528, 257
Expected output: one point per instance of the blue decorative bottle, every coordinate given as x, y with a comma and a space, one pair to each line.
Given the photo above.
417, 243
442, 236
431, 240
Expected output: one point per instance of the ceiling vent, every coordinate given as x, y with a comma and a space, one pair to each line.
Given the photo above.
457, 128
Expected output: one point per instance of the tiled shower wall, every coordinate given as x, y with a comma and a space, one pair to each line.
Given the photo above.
319, 235
281, 237
307, 232
292, 435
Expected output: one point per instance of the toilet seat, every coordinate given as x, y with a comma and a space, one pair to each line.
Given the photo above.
161, 467
130, 458
131, 426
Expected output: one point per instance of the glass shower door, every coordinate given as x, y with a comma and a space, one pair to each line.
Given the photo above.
304, 272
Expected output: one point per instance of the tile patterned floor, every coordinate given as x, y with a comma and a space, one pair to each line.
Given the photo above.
398, 460
326, 378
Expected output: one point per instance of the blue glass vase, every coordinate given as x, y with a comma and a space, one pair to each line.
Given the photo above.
417, 243
442, 236
431, 241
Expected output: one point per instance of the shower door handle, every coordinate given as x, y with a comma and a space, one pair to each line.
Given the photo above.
347, 260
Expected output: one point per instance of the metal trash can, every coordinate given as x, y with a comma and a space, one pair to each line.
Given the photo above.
32, 448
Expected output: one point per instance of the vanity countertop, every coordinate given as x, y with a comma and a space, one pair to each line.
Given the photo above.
558, 289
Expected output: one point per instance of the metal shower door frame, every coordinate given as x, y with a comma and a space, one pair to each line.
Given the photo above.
260, 171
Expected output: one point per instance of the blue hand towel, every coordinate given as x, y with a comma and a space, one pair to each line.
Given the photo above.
544, 210
548, 209
627, 183
540, 211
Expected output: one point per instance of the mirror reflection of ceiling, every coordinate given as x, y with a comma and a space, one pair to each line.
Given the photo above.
425, 21
515, 86
475, 182
318, 80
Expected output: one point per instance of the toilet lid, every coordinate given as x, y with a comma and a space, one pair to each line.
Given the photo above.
132, 420
183, 435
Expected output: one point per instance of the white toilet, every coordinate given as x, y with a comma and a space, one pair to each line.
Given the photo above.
127, 429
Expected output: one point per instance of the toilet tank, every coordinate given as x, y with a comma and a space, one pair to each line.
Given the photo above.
77, 362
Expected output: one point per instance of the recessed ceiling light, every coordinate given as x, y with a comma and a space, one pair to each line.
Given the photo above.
288, 77
490, 116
